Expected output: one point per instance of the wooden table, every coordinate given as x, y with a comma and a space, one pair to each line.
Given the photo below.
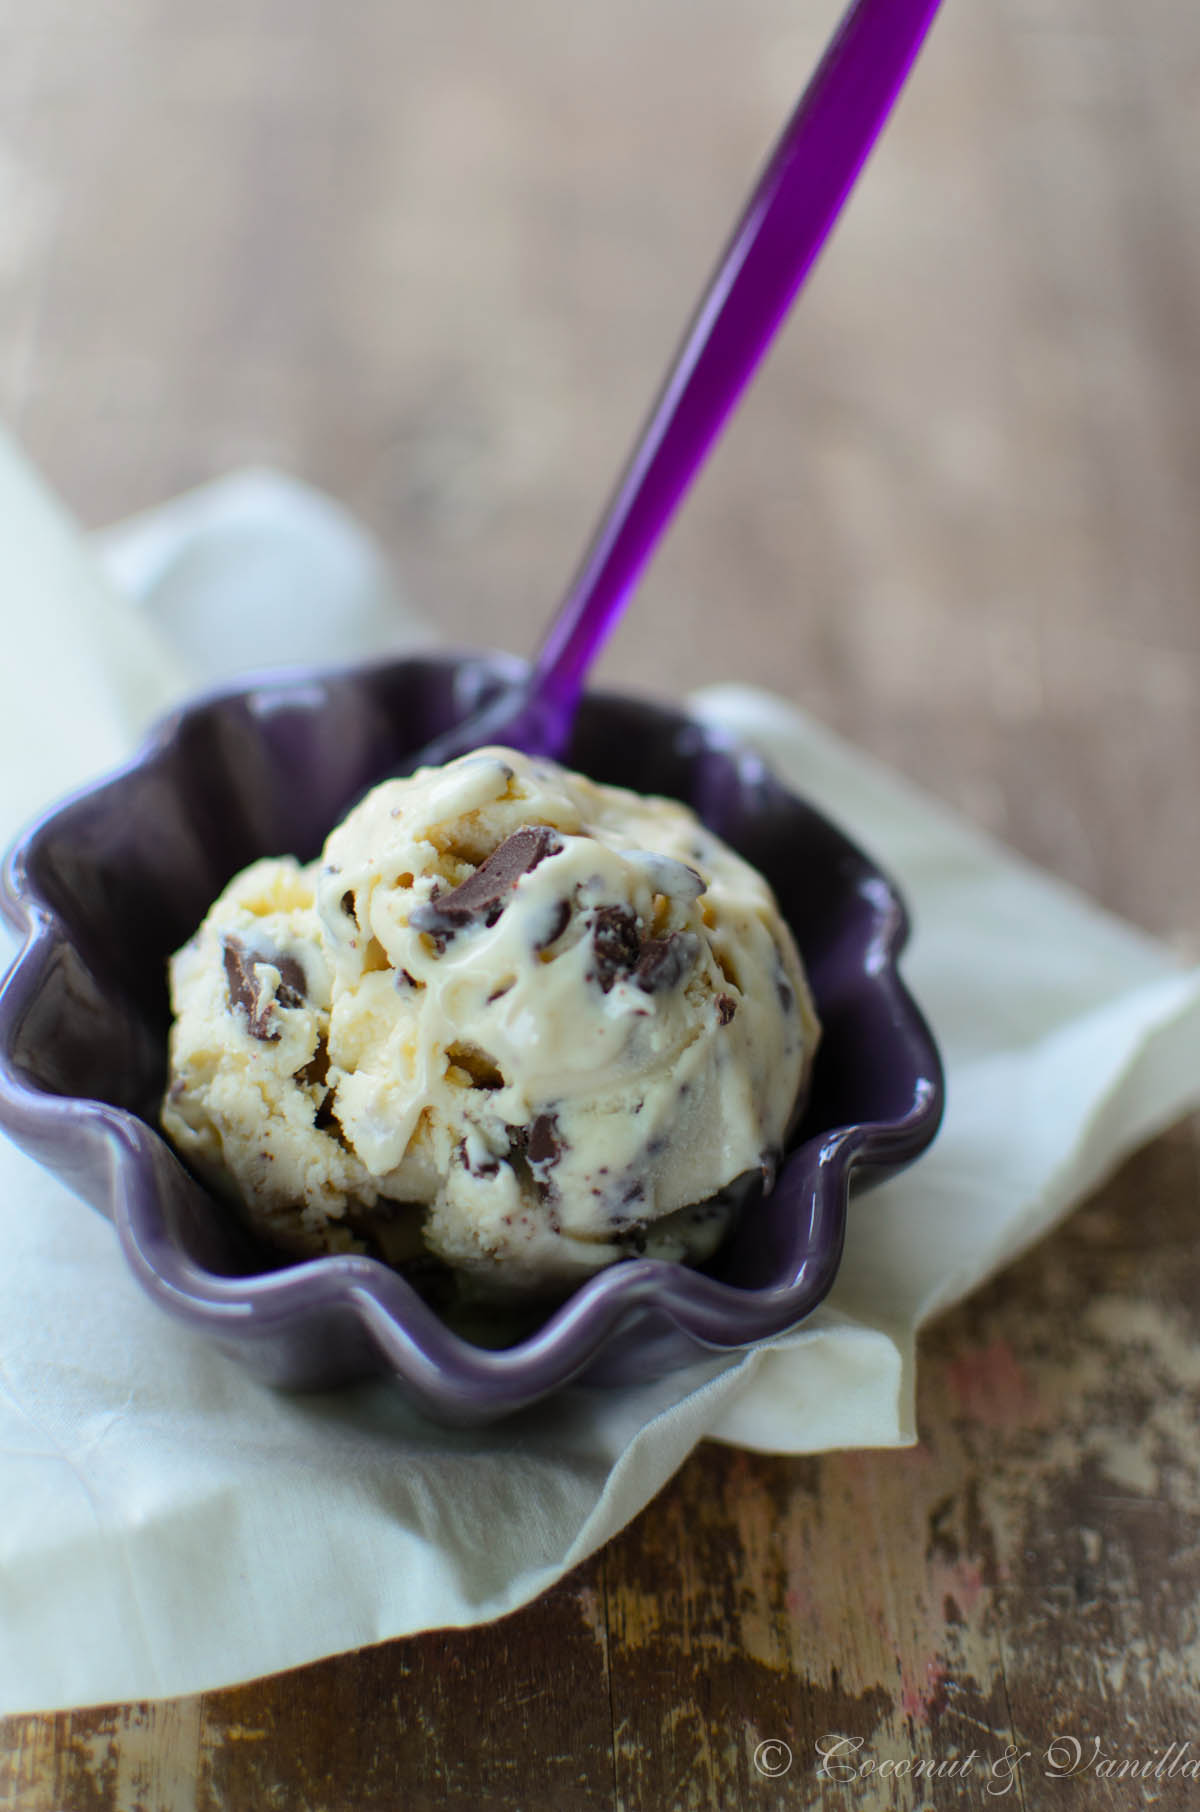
432, 258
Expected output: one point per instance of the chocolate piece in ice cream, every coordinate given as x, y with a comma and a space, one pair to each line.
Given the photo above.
483, 896
664, 961
615, 943
248, 980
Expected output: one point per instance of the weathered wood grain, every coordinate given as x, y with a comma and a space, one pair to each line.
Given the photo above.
432, 258
1026, 1576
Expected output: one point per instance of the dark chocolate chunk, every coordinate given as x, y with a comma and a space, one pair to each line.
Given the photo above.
482, 897
616, 944
726, 1008
664, 961
542, 1143
656, 964
243, 993
562, 918
534, 1150
245, 990
293, 983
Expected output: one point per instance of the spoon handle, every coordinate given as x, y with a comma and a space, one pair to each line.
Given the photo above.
774, 245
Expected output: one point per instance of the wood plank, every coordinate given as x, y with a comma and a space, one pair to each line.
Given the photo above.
504, 1716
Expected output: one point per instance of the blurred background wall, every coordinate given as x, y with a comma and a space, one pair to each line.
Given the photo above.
431, 255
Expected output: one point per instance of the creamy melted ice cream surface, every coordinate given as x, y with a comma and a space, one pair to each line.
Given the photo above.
510, 1019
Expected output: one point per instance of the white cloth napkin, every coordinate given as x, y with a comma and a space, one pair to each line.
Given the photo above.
168, 1524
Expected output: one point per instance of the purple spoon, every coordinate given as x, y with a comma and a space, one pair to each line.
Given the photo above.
783, 227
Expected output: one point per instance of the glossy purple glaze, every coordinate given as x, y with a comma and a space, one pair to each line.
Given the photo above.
114, 879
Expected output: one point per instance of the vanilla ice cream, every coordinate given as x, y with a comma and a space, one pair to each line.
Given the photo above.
511, 1020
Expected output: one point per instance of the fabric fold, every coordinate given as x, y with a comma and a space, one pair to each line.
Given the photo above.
173, 1526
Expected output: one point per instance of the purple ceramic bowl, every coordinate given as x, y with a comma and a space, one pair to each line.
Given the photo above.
113, 880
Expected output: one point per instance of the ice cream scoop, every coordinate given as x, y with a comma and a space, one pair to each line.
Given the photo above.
510, 1019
